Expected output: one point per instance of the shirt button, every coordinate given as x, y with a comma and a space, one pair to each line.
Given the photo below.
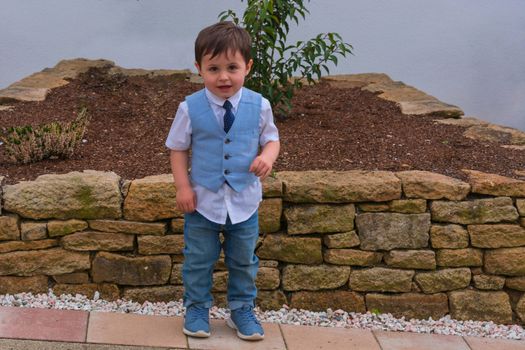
227, 141
227, 156
226, 172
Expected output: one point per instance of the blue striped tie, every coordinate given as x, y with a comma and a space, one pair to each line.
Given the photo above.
228, 116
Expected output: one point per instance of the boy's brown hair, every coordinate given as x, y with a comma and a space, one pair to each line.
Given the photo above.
221, 38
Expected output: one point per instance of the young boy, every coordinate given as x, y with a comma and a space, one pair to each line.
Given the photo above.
224, 124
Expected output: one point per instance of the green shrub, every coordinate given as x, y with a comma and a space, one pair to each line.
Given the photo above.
276, 61
28, 144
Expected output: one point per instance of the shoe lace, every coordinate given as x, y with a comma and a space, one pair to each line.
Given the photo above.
198, 313
246, 315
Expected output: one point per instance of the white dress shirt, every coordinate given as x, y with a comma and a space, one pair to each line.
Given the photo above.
216, 207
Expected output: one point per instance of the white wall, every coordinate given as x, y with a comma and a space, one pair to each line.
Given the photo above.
470, 53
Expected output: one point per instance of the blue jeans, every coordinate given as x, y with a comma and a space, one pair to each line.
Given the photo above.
201, 250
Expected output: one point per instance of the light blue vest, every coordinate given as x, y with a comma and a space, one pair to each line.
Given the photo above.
218, 156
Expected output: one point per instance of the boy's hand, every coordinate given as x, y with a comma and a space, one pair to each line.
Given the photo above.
261, 167
186, 199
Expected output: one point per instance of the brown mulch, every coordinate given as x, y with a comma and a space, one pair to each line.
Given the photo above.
328, 129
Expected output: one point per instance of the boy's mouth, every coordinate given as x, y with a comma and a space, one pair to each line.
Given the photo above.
224, 87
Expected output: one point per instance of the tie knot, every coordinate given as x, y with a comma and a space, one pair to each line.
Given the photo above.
227, 105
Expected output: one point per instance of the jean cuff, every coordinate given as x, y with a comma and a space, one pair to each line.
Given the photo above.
206, 304
237, 304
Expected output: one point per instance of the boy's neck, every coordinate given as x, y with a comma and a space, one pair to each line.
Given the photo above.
234, 99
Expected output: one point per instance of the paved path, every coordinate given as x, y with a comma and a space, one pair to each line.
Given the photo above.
46, 329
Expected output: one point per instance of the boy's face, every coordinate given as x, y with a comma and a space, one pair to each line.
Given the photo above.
224, 74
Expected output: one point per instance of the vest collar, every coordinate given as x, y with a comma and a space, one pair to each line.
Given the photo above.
234, 100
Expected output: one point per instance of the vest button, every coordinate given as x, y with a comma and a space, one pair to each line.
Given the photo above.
226, 172
227, 156
227, 141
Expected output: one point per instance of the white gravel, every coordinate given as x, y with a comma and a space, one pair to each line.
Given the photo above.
286, 315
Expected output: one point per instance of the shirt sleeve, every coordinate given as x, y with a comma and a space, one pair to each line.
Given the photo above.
179, 137
267, 126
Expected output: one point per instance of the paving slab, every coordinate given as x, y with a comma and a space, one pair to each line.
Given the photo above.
133, 329
18, 344
478, 343
308, 337
43, 324
417, 341
224, 338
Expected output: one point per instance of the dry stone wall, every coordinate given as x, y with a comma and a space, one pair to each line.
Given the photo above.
412, 243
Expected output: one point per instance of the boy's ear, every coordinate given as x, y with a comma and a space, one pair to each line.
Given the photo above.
198, 67
249, 66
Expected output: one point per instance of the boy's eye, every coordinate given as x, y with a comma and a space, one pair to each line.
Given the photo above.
212, 69
233, 67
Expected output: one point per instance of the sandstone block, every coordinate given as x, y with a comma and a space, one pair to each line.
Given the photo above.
151, 198
459, 257
488, 282
169, 244
270, 299
177, 225
92, 240
516, 283
300, 250
267, 279
268, 263
520, 308
306, 277
341, 240
428, 185
272, 187
448, 236
443, 280
131, 227
505, 261
495, 185
9, 228
153, 294
1, 191
14, 246
57, 228
72, 278
33, 230
411, 259
386, 231
352, 257
132, 271
380, 279
340, 186
86, 195
496, 236
106, 291
404, 206
333, 299
176, 274
480, 306
409, 305
520, 204
14, 285
308, 218
270, 215
43, 262
479, 211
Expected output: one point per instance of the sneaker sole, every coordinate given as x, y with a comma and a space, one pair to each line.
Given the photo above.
254, 336
198, 334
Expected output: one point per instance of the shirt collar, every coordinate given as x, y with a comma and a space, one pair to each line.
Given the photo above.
234, 100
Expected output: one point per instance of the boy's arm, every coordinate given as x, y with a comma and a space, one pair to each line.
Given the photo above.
262, 165
186, 199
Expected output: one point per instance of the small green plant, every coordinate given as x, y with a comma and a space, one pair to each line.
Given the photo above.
276, 61
28, 144
375, 311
